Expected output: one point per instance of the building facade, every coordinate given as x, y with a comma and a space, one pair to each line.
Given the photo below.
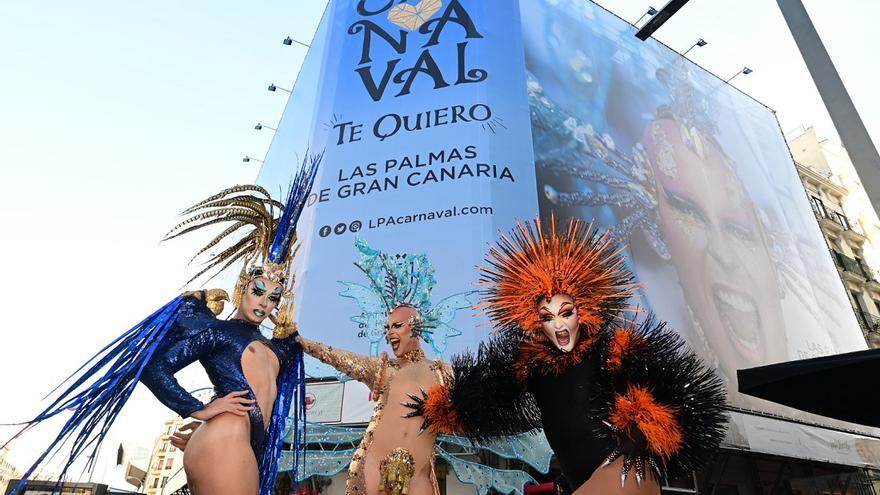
165, 473
165, 459
848, 221
7, 469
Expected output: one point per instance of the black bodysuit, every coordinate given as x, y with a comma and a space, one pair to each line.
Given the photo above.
565, 402
594, 403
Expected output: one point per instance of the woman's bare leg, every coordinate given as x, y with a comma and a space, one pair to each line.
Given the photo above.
371, 472
421, 483
606, 481
218, 459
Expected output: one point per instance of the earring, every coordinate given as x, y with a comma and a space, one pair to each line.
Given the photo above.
237, 295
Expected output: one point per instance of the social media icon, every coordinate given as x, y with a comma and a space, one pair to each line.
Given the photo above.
340, 228
355, 226
325, 231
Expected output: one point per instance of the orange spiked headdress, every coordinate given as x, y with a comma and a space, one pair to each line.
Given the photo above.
534, 262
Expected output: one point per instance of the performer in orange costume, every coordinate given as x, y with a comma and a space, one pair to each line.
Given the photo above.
606, 391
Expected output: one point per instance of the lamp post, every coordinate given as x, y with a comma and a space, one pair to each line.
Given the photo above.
247, 159
744, 70
651, 11
289, 41
273, 87
700, 42
260, 127
843, 112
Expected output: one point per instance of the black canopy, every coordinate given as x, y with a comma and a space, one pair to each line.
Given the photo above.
842, 386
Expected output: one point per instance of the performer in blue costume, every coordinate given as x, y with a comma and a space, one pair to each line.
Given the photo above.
259, 382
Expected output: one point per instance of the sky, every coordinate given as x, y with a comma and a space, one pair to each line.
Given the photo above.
116, 115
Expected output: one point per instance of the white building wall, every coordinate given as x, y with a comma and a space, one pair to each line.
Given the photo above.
829, 176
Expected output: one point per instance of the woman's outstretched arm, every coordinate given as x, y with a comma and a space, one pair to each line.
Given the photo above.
482, 398
364, 369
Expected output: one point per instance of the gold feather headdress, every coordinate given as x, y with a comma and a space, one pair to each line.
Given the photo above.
245, 207
260, 232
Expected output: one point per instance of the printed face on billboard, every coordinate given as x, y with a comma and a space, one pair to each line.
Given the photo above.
718, 247
438, 134
695, 178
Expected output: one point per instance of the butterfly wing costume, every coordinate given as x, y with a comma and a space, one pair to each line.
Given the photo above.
262, 231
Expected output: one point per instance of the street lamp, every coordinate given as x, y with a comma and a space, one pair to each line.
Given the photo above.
247, 159
259, 127
289, 41
745, 70
273, 87
651, 11
700, 42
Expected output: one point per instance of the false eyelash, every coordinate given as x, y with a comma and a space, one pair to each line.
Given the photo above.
257, 292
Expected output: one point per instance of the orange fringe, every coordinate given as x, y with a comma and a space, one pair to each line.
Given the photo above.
657, 422
536, 261
623, 342
438, 409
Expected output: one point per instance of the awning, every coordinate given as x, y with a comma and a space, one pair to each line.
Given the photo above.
842, 386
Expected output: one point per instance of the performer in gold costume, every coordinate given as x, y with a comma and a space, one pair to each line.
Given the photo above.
396, 455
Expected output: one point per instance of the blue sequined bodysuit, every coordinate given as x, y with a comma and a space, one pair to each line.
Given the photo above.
218, 345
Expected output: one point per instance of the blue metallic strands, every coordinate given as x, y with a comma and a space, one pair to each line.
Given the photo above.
293, 207
290, 403
96, 399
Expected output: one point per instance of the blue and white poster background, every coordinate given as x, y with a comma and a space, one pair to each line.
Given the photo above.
593, 101
435, 162
696, 178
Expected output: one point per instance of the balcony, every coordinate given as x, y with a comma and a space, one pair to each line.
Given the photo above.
868, 322
855, 270
850, 265
836, 221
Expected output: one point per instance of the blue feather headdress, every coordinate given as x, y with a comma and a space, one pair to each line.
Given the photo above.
98, 390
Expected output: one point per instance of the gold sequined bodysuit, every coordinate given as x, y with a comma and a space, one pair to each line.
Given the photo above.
377, 373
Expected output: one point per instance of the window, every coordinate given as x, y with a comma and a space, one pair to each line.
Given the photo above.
860, 312
155, 482
169, 463
860, 267
819, 207
164, 481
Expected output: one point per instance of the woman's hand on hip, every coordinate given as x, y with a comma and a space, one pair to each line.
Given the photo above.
234, 403
180, 439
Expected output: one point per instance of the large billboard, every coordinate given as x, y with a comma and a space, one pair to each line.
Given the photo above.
696, 178
422, 114
443, 121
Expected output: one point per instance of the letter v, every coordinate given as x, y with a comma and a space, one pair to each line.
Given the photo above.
376, 92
